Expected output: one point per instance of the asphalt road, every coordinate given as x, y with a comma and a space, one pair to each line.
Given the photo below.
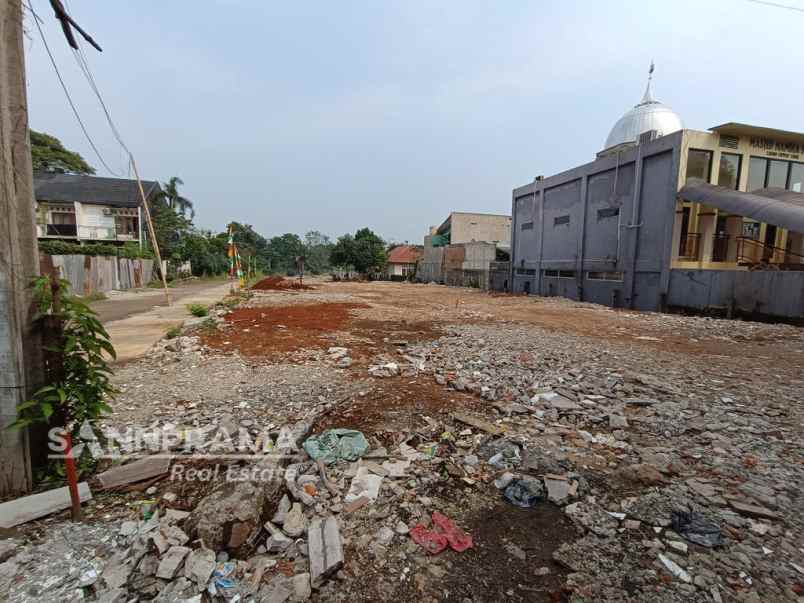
128, 303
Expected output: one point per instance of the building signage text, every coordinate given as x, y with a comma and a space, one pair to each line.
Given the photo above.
777, 148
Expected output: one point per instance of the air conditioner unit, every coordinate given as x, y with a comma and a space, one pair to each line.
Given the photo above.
107, 211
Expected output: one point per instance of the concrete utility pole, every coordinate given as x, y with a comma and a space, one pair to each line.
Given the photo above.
20, 353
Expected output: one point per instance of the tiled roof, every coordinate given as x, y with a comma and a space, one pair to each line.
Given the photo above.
115, 192
404, 254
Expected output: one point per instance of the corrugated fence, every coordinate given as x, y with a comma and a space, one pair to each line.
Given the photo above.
97, 274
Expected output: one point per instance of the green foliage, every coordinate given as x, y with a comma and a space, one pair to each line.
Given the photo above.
317, 251
364, 251
130, 250
81, 385
283, 252
49, 155
173, 332
206, 254
96, 296
198, 310
174, 200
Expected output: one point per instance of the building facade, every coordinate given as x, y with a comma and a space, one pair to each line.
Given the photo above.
667, 216
459, 251
88, 209
402, 261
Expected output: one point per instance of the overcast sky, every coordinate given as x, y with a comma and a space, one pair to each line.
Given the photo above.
330, 116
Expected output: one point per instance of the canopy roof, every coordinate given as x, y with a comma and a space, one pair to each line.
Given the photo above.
770, 205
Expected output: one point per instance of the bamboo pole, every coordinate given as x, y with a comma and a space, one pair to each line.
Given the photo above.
150, 228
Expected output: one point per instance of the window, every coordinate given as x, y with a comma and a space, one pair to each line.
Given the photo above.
777, 174
527, 226
605, 276
729, 170
699, 164
526, 271
559, 273
757, 168
797, 177
608, 212
559, 220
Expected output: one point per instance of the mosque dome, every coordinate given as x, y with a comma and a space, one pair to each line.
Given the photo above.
648, 115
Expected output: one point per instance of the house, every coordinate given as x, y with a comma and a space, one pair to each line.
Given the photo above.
402, 261
89, 209
460, 251
670, 217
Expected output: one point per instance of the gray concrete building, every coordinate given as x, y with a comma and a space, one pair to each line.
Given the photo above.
667, 216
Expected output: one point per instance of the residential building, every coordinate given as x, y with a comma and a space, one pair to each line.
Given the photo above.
667, 216
402, 261
460, 251
89, 209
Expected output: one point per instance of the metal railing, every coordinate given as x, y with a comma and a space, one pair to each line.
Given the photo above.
753, 253
85, 232
690, 247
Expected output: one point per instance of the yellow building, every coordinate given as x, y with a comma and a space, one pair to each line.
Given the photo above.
744, 158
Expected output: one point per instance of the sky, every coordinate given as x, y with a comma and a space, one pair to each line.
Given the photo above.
332, 116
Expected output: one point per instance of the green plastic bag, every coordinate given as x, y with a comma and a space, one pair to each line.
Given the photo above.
337, 444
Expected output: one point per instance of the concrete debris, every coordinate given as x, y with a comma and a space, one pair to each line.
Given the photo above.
325, 549
171, 562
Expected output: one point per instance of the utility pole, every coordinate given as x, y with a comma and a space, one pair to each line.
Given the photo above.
20, 353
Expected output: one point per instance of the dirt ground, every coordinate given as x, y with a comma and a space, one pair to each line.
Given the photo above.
727, 412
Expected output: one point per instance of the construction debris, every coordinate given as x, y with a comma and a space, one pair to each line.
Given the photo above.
28, 508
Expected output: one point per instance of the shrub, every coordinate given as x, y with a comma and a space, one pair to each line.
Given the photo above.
130, 250
198, 310
173, 332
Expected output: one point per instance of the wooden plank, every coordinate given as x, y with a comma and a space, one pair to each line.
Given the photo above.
28, 508
136, 471
477, 423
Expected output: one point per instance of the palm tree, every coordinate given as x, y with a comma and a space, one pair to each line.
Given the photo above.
174, 200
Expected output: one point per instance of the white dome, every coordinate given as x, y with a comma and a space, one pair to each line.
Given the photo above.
648, 115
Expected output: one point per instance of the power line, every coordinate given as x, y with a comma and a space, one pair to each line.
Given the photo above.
778, 5
67, 92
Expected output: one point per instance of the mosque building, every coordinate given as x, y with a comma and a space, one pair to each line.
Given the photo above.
669, 217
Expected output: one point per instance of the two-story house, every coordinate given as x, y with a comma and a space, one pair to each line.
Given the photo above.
79, 208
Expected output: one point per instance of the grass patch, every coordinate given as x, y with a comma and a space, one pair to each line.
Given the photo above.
173, 332
198, 310
93, 297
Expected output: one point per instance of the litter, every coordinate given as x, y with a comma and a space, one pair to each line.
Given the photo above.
697, 529
524, 492
675, 569
337, 444
445, 533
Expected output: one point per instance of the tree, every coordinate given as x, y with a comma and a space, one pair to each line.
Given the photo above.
317, 250
49, 155
283, 252
365, 251
179, 204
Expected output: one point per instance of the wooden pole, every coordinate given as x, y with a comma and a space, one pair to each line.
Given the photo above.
150, 227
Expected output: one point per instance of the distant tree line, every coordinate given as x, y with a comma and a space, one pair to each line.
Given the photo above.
180, 240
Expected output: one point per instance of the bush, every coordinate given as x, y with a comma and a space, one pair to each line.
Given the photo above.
173, 332
198, 310
129, 250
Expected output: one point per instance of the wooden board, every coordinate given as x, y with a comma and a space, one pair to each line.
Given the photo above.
135, 472
28, 508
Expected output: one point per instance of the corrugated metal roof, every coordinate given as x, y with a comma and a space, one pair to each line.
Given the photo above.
772, 206
116, 192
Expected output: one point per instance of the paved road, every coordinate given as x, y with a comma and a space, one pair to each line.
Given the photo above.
135, 321
127, 303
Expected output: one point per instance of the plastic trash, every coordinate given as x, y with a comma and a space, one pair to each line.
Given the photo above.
444, 533
432, 542
524, 492
697, 529
220, 583
337, 444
